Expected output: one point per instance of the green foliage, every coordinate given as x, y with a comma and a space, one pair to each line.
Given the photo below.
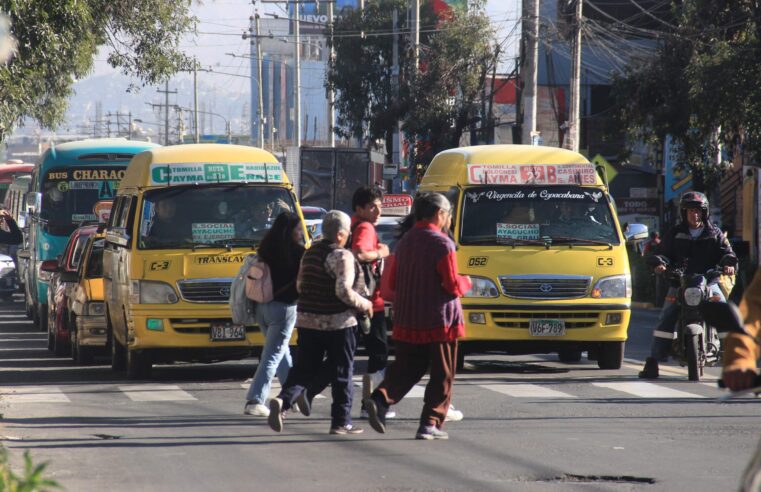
32, 480
57, 41
700, 87
456, 53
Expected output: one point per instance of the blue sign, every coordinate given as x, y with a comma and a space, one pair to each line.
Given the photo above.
676, 182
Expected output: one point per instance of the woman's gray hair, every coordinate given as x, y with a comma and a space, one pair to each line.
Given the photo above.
428, 204
334, 222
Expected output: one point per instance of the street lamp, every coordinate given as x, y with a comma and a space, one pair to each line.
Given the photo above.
227, 123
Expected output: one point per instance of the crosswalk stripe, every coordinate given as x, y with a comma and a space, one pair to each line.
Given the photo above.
33, 394
646, 390
526, 391
156, 392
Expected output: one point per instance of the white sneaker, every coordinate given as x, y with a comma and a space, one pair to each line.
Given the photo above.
390, 414
256, 409
453, 415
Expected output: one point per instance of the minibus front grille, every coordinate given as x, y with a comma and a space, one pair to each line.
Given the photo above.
210, 291
545, 287
506, 319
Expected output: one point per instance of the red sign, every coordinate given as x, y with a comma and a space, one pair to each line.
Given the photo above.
396, 205
532, 174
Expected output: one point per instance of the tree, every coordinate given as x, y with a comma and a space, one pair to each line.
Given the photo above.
57, 42
700, 86
437, 104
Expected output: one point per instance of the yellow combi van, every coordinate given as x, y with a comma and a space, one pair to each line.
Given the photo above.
184, 219
538, 233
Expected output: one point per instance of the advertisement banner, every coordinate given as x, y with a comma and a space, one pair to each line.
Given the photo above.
545, 174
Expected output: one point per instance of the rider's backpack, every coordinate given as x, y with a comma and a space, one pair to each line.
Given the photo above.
242, 308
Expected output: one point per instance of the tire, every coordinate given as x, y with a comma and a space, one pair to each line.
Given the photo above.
84, 355
611, 355
118, 357
691, 348
569, 356
139, 364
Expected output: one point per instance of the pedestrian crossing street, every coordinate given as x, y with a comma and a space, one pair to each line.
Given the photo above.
594, 389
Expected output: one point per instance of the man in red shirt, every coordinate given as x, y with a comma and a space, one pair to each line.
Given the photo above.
366, 204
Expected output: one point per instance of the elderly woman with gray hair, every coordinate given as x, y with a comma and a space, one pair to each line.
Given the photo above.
330, 297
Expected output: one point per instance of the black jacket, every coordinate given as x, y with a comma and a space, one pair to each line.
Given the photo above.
13, 235
698, 255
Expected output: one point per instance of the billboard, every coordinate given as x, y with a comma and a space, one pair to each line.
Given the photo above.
314, 16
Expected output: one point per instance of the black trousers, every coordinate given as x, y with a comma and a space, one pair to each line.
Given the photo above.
321, 354
376, 343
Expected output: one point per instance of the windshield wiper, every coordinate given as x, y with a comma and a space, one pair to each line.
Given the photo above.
567, 239
236, 241
514, 241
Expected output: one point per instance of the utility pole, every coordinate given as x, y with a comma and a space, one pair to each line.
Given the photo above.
297, 76
415, 67
196, 131
395, 82
531, 91
574, 123
331, 93
166, 93
260, 110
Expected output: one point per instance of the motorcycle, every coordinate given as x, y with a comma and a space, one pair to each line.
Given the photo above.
697, 343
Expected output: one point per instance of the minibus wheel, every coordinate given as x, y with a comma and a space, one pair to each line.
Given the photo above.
138, 364
611, 355
117, 351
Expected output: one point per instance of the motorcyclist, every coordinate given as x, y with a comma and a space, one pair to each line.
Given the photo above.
742, 351
698, 246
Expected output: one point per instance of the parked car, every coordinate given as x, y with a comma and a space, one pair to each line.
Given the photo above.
86, 322
63, 278
8, 279
313, 220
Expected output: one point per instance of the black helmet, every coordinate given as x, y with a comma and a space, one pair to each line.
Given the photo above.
693, 199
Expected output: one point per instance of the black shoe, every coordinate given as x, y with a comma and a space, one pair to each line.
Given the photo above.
275, 419
650, 371
305, 406
375, 415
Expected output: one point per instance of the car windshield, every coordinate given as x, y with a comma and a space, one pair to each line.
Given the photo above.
311, 214
74, 195
536, 215
219, 215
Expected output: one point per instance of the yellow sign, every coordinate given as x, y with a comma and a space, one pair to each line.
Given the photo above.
610, 171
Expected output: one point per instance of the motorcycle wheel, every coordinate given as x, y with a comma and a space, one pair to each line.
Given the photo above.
691, 347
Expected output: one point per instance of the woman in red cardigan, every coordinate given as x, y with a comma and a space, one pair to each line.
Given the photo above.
428, 318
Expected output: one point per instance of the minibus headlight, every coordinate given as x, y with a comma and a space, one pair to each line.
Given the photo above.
616, 286
152, 292
94, 308
482, 287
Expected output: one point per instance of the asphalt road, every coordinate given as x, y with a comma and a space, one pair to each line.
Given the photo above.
530, 423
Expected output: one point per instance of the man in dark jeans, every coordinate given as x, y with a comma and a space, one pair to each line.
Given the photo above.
366, 204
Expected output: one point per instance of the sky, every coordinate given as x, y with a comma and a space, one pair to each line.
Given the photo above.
221, 23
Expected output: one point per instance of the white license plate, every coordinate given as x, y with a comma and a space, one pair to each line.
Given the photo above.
546, 328
227, 332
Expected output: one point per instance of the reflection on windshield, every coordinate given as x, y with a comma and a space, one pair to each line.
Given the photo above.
525, 215
210, 216
74, 195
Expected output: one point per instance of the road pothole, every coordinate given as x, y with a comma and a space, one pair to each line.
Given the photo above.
571, 478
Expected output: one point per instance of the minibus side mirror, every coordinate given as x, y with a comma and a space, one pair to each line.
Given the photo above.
50, 266
636, 232
118, 237
34, 201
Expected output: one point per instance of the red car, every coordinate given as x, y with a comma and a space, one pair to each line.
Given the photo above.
63, 279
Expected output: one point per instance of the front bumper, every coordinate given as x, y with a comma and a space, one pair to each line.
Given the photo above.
91, 331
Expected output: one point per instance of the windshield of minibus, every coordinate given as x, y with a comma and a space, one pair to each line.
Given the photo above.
215, 215
74, 195
536, 215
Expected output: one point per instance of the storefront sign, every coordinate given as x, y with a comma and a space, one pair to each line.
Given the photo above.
642, 206
396, 205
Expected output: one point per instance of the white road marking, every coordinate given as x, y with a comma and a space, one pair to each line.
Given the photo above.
526, 391
156, 392
33, 394
646, 390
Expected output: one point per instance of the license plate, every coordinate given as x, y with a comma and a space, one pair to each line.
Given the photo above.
227, 332
546, 328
